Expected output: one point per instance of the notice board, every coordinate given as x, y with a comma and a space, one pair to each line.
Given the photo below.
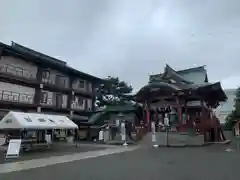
13, 148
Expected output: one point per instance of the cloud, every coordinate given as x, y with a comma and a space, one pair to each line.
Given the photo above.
232, 82
130, 39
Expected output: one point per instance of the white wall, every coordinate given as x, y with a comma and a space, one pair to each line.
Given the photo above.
89, 104
90, 87
225, 108
65, 100
18, 67
13, 92
197, 77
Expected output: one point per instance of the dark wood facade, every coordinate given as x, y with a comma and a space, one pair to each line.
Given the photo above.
34, 82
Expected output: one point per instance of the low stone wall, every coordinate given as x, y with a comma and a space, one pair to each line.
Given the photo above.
174, 139
229, 135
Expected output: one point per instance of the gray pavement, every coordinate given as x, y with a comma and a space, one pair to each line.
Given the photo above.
145, 163
55, 150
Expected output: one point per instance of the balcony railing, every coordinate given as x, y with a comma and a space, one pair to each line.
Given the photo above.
16, 97
17, 71
75, 105
59, 83
48, 81
49, 102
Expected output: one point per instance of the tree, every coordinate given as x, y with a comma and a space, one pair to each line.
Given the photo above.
111, 92
229, 122
235, 114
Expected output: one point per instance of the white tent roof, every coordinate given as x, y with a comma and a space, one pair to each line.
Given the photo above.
20, 120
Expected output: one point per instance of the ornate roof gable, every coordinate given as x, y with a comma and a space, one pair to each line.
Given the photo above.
169, 76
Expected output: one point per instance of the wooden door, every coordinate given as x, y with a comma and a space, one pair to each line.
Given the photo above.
59, 100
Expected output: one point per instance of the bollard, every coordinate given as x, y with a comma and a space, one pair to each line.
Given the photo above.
166, 125
123, 134
100, 135
106, 134
154, 139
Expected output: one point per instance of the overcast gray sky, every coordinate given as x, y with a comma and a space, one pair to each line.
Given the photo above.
130, 38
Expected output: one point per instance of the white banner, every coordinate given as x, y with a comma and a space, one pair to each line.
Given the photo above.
123, 131
13, 148
101, 135
153, 127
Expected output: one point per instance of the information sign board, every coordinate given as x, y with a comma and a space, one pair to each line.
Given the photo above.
13, 148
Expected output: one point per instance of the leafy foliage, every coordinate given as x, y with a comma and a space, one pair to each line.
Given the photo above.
110, 93
229, 121
235, 114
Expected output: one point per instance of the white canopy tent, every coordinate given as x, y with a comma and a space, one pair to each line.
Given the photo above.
20, 120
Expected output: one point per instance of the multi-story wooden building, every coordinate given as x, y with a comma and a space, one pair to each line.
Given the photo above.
33, 82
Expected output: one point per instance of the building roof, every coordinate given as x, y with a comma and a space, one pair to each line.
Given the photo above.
170, 82
37, 54
111, 109
196, 74
171, 73
20, 120
37, 57
194, 69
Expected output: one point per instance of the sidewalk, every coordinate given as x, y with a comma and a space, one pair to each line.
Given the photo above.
36, 163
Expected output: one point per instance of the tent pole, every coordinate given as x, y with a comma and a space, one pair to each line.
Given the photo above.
45, 133
53, 130
66, 135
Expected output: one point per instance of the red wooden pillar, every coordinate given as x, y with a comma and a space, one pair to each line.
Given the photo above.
179, 110
186, 112
203, 114
147, 110
147, 114
1, 51
204, 120
179, 113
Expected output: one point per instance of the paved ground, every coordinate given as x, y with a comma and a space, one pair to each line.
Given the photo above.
57, 150
204, 163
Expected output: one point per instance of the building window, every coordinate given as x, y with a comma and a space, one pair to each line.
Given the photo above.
8, 121
89, 104
59, 100
28, 119
41, 120
60, 80
44, 97
52, 121
81, 84
172, 81
90, 87
80, 101
45, 74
